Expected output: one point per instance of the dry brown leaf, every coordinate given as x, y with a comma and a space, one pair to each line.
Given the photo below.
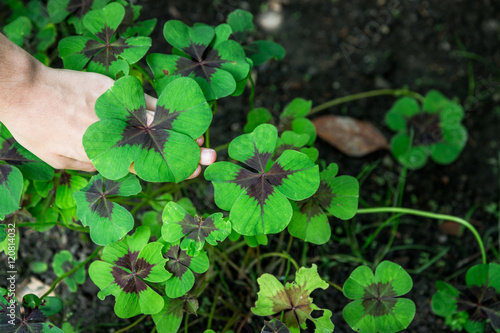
351, 136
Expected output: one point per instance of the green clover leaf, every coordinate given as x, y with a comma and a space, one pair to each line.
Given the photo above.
163, 151
178, 223
337, 195
294, 300
11, 186
205, 54
294, 118
258, 200
182, 267
375, 307
434, 130
479, 301
108, 221
68, 184
63, 262
125, 271
102, 50
170, 317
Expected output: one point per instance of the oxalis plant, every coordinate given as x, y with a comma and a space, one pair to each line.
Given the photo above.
160, 255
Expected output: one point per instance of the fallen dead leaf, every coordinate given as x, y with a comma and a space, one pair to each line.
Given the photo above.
32, 286
351, 136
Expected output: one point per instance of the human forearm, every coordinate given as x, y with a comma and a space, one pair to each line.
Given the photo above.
18, 72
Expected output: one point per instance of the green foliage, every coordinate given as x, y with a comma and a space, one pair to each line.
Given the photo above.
178, 223
63, 263
103, 50
203, 53
258, 201
336, 195
376, 307
294, 300
108, 221
477, 304
127, 268
433, 130
163, 150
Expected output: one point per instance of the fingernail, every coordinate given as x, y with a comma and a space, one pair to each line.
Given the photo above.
208, 156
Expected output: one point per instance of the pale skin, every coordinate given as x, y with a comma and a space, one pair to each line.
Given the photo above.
47, 110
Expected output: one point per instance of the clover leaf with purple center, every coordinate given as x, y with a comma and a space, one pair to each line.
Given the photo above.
257, 196
103, 50
182, 267
432, 130
163, 150
337, 195
178, 223
293, 300
203, 53
127, 268
480, 301
376, 306
108, 221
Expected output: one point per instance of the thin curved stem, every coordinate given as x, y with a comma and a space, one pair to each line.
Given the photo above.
275, 254
44, 224
429, 215
68, 273
373, 93
132, 325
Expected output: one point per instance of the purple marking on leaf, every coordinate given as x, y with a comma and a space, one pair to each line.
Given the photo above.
203, 62
154, 136
13, 157
178, 261
324, 195
379, 299
276, 175
96, 197
65, 179
196, 228
5, 170
128, 260
426, 129
79, 7
293, 299
137, 269
104, 52
309, 208
481, 303
255, 184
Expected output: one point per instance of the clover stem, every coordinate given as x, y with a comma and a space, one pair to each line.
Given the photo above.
68, 273
252, 91
372, 93
44, 224
137, 67
435, 216
132, 325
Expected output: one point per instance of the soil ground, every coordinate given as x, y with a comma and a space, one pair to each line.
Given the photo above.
337, 48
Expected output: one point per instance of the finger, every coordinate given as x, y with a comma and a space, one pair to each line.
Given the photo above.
132, 169
200, 140
150, 115
195, 173
207, 156
150, 102
72, 164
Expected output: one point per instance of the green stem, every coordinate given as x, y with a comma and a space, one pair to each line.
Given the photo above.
373, 93
44, 224
252, 92
212, 309
275, 254
132, 325
68, 273
435, 216
143, 72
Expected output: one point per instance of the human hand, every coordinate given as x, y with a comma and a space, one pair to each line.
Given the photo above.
48, 110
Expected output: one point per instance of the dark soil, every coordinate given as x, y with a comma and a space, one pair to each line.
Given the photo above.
445, 45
